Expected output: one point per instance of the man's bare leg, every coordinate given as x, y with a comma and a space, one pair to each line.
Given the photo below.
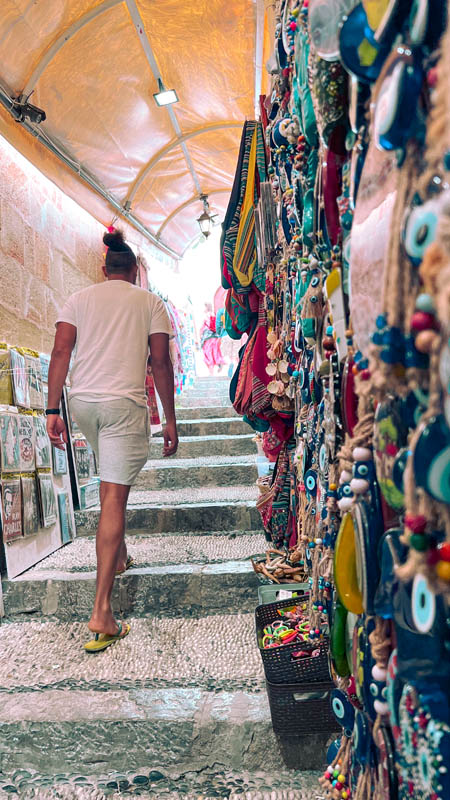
123, 555
109, 545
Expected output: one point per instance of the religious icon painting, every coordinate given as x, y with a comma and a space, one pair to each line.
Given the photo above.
9, 438
11, 509
82, 458
34, 375
59, 461
26, 443
30, 506
43, 447
65, 516
48, 500
45, 363
6, 393
20, 380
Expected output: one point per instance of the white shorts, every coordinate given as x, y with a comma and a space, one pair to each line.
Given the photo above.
118, 432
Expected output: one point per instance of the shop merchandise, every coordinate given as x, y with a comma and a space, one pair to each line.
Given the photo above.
30, 506
47, 500
65, 516
25, 434
11, 509
335, 256
10, 446
30, 472
21, 388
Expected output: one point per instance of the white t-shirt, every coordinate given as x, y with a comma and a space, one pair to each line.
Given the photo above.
113, 320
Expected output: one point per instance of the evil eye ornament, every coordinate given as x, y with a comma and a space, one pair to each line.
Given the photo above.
391, 552
431, 460
387, 773
345, 496
423, 603
360, 53
324, 17
310, 482
363, 470
389, 436
420, 226
396, 99
426, 22
368, 528
444, 373
342, 710
345, 572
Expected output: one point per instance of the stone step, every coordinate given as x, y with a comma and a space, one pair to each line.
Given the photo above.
205, 400
213, 427
202, 412
191, 589
174, 730
188, 495
154, 550
241, 470
199, 517
170, 784
199, 446
214, 652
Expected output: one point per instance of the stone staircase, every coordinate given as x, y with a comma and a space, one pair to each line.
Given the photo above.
179, 708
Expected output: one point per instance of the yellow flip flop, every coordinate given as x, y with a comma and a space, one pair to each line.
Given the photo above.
130, 562
104, 640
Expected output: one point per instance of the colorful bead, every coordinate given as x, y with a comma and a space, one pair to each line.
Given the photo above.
443, 571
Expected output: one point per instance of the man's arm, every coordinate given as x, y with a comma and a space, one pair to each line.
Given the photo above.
164, 381
65, 338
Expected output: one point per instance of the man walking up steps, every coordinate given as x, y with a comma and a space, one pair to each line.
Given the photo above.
111, 325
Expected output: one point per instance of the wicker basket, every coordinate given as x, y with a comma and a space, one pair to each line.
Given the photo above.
301, 709
280, 666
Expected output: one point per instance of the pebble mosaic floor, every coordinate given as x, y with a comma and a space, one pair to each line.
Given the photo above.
286, 785
160, 549
40, 659
177, 652
203, 495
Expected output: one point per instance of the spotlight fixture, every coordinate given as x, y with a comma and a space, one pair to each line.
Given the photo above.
26, 110
206, 219
165, 97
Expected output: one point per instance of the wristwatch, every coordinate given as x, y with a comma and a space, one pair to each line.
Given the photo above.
51, 411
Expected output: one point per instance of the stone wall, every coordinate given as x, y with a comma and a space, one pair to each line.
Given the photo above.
49, 248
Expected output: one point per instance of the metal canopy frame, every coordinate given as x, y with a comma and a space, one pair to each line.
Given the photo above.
180, 138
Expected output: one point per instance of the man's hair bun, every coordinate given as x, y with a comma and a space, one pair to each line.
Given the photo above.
115, 241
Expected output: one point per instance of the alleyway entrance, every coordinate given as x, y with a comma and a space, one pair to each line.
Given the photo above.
179, 708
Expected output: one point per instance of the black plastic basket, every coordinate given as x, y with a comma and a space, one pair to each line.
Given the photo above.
280, 666
299, 709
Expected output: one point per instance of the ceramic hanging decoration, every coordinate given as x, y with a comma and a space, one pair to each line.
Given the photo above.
346, 369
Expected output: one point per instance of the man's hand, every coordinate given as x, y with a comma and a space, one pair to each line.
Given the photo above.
57, 431
170, 439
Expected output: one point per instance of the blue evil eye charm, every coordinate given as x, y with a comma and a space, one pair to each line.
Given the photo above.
431, 459
361, 739
345, 496
343, 710
398, 469
333, 750
323, 459
423, 605
396, 99
310, 482
419, 229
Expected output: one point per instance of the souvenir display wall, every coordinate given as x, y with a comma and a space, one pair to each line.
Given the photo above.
182, 346
336, 261
36, 500
78, 462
